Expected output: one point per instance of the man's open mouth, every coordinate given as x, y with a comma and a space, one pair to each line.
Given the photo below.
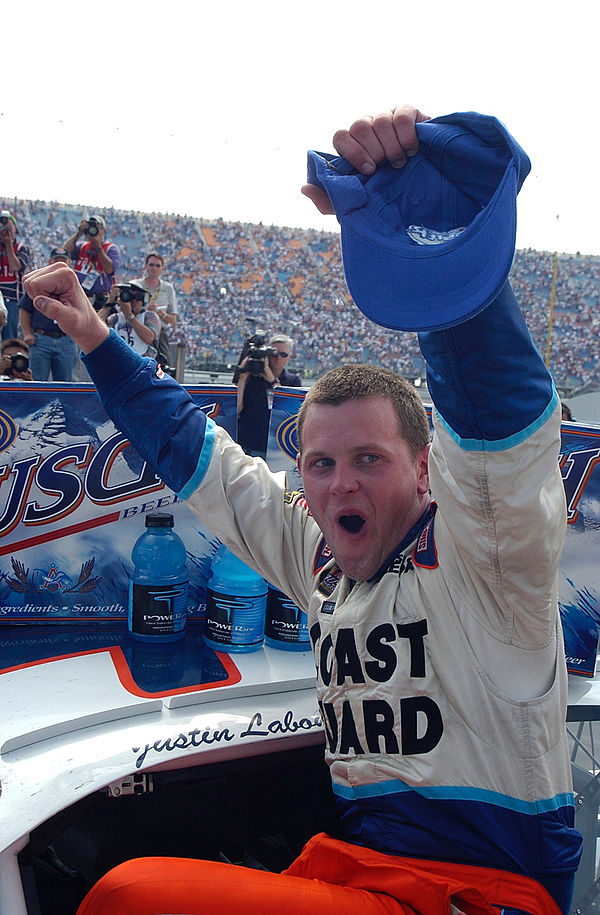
351, 523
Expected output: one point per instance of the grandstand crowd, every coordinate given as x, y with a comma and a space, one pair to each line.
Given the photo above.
232, 278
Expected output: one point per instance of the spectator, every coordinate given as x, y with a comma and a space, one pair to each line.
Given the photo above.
96, 261
138, 327
163, 301
255, 392
14, 360
566, 414
293, 278
52, 351
15, 261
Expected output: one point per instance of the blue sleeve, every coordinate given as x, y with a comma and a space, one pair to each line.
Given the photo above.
156, 414
488, 382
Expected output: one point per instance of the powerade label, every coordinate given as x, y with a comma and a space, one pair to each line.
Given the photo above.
158, 609
285, 621
235, 620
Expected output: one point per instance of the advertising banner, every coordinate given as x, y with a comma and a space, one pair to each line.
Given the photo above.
579, 578
283, 438
74, 495
73, 499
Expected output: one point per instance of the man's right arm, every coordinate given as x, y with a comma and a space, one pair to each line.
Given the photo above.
178, 439
203, 465
57, 293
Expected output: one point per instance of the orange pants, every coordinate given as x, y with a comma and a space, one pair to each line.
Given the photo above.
182, 886
329, 877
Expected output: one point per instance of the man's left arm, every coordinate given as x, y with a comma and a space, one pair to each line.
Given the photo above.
494, 460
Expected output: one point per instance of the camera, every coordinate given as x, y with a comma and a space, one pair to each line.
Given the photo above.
256, 349
128, 292
93, 226
19, 362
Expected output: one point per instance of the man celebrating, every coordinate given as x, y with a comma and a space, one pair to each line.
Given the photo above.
51, 350
97, 261
162, 301
15, 261
440, 666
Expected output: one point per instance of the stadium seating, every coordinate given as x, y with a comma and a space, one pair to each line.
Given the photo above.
233, 278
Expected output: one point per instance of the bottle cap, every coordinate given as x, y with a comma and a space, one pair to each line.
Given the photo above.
159, 519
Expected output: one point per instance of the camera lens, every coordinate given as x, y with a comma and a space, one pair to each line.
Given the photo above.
19, 362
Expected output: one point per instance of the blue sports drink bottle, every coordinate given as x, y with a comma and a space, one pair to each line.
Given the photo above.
236, 601
158, 590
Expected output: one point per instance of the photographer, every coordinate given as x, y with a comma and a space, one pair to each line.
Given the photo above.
14, 360
261, 369
51, 349
96, 260
138, 327
15, 260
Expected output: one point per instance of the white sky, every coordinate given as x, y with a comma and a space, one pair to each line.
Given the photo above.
208, 108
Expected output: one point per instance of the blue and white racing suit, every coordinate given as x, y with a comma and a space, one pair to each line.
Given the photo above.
441, 681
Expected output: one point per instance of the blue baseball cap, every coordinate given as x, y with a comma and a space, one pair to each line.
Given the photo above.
429, 245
